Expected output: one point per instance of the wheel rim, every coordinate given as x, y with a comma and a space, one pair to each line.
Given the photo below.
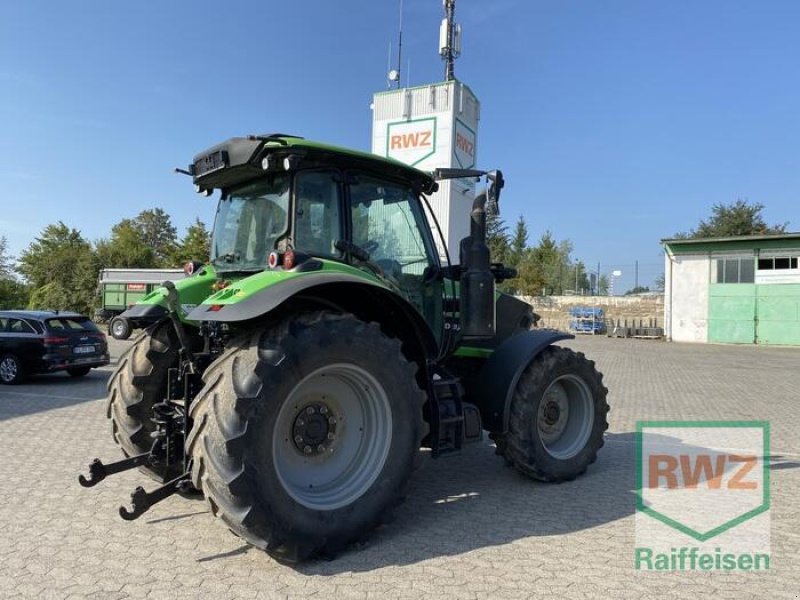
332, 436
565, 417
118, 328
8, 369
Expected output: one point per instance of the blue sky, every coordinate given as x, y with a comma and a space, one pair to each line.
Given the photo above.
616, 123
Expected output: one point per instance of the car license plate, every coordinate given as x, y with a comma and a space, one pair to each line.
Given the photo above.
83, 349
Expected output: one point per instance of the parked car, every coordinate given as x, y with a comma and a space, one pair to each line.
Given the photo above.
48, 341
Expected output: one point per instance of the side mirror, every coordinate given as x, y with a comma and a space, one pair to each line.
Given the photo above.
496, 184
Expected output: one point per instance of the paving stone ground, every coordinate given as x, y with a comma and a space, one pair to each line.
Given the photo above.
470, 527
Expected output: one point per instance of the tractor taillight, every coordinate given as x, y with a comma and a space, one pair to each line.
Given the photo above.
274, 259
191, 267
289, 259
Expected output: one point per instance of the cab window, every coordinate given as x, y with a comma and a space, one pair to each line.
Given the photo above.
388, 223
318, 223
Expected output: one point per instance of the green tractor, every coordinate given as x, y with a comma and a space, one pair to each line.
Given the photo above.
298, 379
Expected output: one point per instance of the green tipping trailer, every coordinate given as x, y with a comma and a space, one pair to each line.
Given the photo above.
119, 289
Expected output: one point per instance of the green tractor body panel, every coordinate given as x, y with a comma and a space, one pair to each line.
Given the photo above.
191, 292
255, 295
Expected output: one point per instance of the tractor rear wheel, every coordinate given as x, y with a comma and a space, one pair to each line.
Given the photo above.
558, 417
306, 433
139, 382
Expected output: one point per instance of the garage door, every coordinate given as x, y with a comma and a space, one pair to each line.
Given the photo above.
731, 314
778, 314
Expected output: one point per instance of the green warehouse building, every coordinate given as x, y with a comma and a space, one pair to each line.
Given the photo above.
735, 290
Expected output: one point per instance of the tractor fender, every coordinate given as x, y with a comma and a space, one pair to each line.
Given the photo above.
147, 312
340, 289
495, 384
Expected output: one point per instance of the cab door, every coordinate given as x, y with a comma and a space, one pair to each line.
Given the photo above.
386, 219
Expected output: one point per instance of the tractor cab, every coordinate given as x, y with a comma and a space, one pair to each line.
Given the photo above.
287, 205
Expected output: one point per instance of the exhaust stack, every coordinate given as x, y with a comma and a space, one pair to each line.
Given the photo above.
477, 305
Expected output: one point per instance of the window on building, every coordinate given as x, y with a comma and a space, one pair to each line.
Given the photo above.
779, 262
735, 270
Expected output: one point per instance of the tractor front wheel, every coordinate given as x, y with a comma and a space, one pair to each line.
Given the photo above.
558, 417
306, 433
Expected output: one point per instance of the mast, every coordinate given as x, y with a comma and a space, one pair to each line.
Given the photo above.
449, 39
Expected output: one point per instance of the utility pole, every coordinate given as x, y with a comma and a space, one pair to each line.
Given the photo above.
597, 290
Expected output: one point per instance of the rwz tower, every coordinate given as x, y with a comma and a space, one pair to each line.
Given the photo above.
434, 126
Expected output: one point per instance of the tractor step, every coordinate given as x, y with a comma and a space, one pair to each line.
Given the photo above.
459, 421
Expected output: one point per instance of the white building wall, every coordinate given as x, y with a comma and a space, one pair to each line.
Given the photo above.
429, 127
686, 281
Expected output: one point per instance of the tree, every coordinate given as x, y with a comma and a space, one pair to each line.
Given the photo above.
602, 286
496, 235
127, 248
639, 289
728, 220
195, 245
519, 242
660, 283
578, 277
61, 269
158, 233
13, 293
6, 260
546, 268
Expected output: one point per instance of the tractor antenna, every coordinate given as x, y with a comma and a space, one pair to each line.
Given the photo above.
449, 39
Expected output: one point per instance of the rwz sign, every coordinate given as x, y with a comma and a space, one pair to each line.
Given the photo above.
411, 142
702, 478
464, 145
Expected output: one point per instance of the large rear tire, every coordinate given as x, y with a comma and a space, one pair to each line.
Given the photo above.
306, 433
139, 382
558, 417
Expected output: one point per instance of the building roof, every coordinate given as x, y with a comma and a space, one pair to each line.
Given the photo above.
741, 243
737, 238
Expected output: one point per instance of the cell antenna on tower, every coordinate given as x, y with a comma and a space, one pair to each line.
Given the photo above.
449, 39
